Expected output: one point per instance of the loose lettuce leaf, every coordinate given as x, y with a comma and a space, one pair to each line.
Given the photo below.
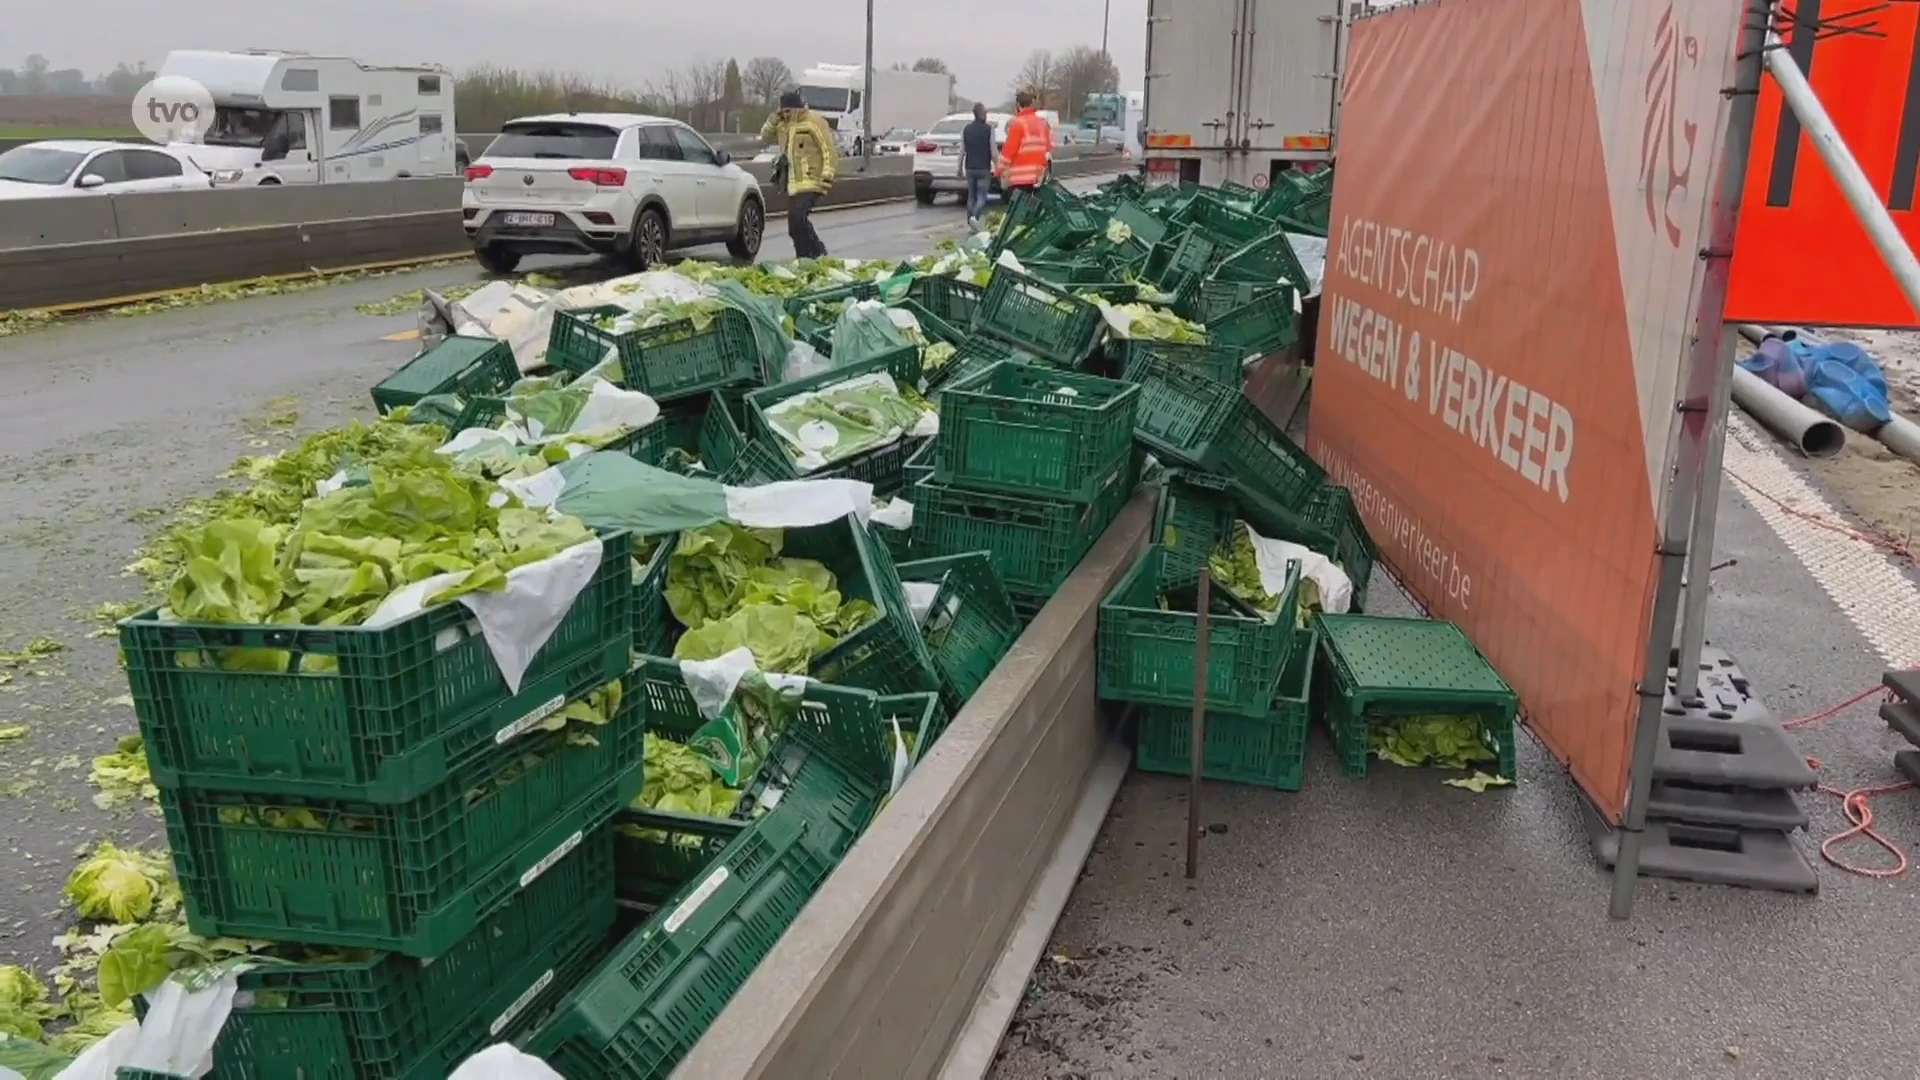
779, 636
23, 1003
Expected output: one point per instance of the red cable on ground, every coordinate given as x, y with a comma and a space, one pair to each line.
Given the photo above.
1871, 539
1854, 803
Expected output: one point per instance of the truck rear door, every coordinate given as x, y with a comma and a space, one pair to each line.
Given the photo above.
1190, 84
1289, 75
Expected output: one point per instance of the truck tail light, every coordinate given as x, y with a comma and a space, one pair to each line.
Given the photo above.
478, 172
600, 177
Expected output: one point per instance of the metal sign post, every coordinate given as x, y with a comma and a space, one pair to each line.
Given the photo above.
1702, 409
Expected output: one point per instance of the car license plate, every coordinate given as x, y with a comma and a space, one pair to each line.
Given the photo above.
529, 221
949, 151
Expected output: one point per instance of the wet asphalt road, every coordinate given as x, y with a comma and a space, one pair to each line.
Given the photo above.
106, 424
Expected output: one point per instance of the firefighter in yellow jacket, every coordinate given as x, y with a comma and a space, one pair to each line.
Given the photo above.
806, 146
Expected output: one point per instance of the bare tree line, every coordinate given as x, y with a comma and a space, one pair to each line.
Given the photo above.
712, 95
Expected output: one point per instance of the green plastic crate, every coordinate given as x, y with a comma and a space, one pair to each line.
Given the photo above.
1147, 228
1231, 226
393, 1017
974, 355
1188, 419
932, 326
922, 719
832, 762
1224, 364
757, 464
1147, 654
972, 624
679, 427
1022, 215
402, 710
1035, 543
1269, 750
883, 466
1023, 430
458, 365
1264, 261
1265, 325
1044, 320
1374, 667
1313, 213
951, 300
723, 430
639, 1013
653, 625
675, 360
1327, 521
1195, 515
919, 467
1171, 265
413, 878
887, 656
656, 854
1213, 299
813, 323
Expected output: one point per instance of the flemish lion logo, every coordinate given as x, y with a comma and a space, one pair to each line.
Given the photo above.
1666, 142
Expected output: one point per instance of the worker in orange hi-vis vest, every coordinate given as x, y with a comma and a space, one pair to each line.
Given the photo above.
1028, 151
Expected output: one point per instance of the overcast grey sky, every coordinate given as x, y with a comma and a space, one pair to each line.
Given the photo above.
983, 41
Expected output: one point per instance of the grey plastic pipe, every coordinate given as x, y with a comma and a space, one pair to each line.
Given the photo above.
1813, 434
1900, 435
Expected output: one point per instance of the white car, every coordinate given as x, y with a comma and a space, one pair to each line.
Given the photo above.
897, 141
621, 184
59, 167
937, 161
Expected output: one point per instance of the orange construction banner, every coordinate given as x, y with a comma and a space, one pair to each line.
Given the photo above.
1511, 281
1801, 255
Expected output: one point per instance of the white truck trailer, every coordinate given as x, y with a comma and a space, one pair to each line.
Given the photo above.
1278, 105
291, 118
901, 99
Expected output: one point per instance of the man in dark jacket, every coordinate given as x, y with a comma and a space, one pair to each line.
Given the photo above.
976, 143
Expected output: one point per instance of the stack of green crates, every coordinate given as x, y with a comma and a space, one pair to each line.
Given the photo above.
384, 789
1032, 464
1266, 749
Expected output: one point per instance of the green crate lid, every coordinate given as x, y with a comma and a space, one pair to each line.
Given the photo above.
1376, 654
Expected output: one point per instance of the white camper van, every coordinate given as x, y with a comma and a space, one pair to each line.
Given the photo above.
290, 118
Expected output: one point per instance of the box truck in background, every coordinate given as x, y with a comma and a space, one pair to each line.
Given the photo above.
901, 99
1278, 108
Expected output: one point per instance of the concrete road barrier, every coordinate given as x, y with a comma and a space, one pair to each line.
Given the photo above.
880, 974
92, 250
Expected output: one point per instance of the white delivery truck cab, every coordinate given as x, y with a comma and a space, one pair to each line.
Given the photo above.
901, 99
1276, 109
290, 118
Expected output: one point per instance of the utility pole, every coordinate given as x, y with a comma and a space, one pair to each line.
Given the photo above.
866, 101
1106, 24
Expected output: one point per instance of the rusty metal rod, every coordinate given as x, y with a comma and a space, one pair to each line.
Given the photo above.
1197, 757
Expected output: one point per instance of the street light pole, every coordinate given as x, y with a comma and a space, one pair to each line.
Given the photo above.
866, 101
1106, 24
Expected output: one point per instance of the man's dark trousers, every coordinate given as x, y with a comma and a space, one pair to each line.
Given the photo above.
806, 242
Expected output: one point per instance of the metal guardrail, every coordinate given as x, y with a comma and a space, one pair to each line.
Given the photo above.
73, 252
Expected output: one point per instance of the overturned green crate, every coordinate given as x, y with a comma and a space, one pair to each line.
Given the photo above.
653, 625
391, 1017
949, 299
1035, 543
678, 359
656, 854
1328, 522
1147, 652
1269, 750
1375, 669
972, 625
1024, 430
413, 878
1194, 516
888, 655
370, 715
1224, 364
462, 366
723, 430
1030, 314
1267, 324
640, 1012
1188, 419
1265, 261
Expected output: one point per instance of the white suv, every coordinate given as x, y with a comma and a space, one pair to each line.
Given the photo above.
634, 187
939, 159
